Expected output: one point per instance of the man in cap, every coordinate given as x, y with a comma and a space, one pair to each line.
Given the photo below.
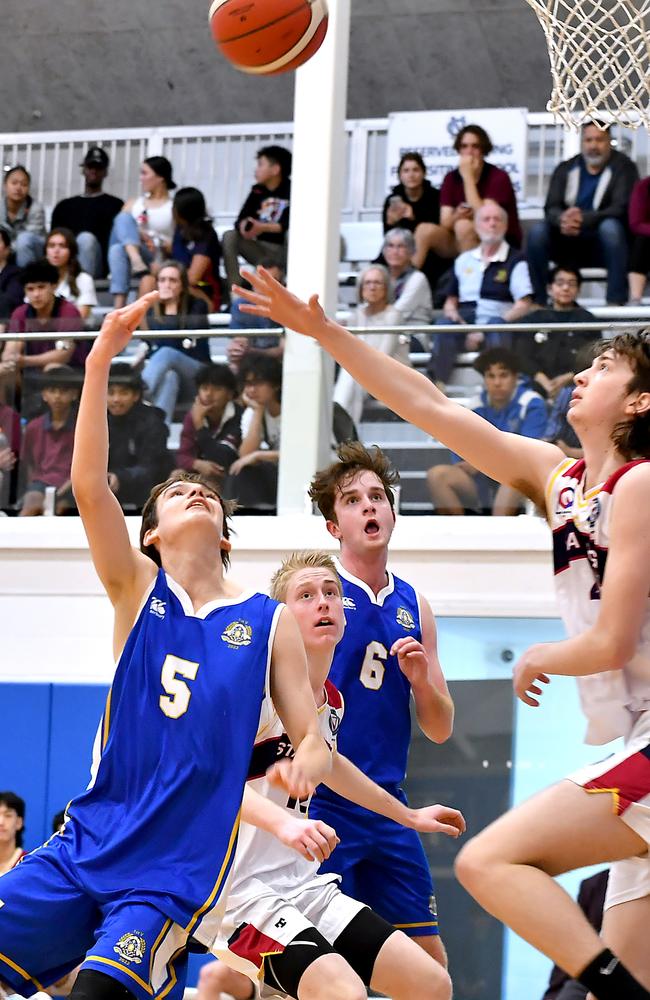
90, 215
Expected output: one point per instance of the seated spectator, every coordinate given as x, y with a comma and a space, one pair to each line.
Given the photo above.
547, 358
509, 404
173, 362
253, 479
142, 231
43, 312
639, 220
211, 433
261, 228
489, 285
12, 292
411, 203
90, 215
137, 439
9, 444
196, 245
271, 344
12, 823
21, 216
591, 900
463, 192
74, 284
410, 287
375, 309
46, 453
558, 429
586, 210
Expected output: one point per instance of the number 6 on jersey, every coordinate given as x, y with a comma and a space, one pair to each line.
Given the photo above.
374, 666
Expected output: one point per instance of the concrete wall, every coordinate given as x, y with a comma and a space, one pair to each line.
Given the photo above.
77, 64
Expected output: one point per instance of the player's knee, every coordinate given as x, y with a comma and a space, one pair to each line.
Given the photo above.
214, 979
331, 978
474, 865
92, 985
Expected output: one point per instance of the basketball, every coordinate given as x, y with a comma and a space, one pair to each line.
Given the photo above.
268, 36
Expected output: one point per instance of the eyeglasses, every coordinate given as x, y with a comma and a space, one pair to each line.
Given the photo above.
395, 246
566, 282
366, 283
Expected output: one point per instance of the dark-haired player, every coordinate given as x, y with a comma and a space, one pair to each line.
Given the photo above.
598, 510
144, 858
387, 655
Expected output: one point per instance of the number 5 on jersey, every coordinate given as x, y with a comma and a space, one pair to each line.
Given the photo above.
374, 666
175, 703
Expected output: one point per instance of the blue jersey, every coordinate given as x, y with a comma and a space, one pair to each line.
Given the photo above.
376, 730
159, 820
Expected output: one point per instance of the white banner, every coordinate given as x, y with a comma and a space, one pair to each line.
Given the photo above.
432, 134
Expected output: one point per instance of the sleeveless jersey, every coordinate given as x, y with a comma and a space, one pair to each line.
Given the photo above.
579, 520
376, 732
159, 819
260, 856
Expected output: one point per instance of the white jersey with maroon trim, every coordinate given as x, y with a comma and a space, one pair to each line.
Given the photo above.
260, 855
579, 519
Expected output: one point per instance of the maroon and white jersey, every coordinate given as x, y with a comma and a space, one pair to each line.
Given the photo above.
579, 519
260, 856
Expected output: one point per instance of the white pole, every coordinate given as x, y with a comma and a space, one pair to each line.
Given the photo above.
318, 174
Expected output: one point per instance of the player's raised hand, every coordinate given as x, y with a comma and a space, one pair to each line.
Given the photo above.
311, 838
528, 674
412, 658
438, 819
290, 775
119, 326
272, 299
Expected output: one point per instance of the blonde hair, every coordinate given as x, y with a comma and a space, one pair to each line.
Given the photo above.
313, 559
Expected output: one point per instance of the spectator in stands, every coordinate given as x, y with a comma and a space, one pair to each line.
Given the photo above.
375, 309
410, 287
547, 358
74, 284
586, 212
21, 216
46, 454
639, 220
170, 369
142, 231
271, 344
9, 443
12, 823
261, 228
196, 245
507, 403
463, 192
490, 284
591, 900
558, 429
211, 434
43, 312
12, 292
90, 215
253, 479
137, 439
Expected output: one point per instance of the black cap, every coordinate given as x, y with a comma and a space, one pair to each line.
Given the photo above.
58, 377
96, 157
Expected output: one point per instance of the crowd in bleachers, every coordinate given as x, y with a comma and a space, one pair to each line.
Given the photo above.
455, 256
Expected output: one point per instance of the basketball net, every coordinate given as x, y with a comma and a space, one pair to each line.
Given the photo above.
600, 60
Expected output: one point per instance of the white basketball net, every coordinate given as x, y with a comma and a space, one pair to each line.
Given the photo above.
600, 59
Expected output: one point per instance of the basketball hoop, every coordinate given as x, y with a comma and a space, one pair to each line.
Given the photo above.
600, 60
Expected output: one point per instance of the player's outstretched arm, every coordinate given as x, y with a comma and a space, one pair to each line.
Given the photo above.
294, 702
311, 838
347, 780
612, 640
523, 463
118, 564
419, 663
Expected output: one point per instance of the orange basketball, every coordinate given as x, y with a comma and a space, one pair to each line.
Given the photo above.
268, 36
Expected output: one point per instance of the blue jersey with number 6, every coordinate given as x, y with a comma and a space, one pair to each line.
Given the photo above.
159, 819
376, 730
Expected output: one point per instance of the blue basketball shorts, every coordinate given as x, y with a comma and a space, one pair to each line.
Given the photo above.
383, 865
49, 924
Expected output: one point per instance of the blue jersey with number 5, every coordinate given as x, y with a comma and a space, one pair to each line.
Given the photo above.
376, 730
159, 820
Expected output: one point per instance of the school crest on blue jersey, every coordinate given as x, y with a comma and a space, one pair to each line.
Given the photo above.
405, 619
237, 634
131, 947
157, 607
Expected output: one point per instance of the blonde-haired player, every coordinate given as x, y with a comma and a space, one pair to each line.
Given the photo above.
286, 924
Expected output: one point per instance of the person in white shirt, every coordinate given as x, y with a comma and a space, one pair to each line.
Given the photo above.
74, 284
